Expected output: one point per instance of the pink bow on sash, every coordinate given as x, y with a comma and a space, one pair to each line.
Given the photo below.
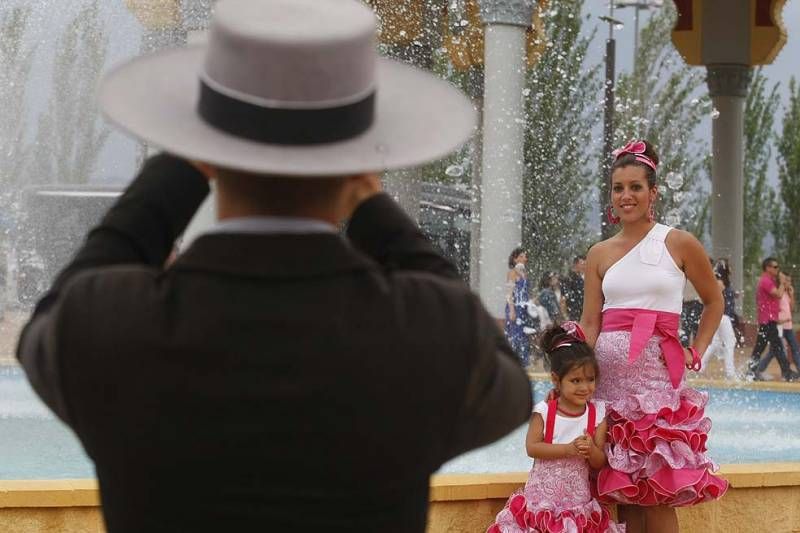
643, 323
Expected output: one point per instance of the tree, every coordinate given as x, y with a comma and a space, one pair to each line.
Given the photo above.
561, 109
662, 101
70, 135
759, 118
787, 226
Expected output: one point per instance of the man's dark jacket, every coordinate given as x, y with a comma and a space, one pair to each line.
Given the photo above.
267, 382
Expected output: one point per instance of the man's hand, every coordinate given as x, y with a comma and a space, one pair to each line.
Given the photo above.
358, 189
209, 171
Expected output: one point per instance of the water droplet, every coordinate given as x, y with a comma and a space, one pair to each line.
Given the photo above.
526, 92
674, 180
714, 113
454, 171
672, 218
679, 196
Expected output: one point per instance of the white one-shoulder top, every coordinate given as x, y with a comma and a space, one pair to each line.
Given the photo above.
646, 277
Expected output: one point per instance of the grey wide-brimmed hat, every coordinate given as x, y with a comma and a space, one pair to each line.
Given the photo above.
289, 87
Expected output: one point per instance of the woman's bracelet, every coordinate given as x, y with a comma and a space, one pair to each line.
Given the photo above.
696, 363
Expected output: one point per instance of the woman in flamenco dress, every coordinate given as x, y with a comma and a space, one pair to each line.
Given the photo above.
516, 301
657, 429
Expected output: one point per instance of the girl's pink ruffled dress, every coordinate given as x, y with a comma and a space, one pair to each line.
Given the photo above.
557, 497
656, 446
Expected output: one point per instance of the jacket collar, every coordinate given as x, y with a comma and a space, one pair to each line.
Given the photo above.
273, 255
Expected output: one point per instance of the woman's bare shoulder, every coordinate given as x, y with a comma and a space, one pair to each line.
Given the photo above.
680, 236
684, 246
681, 240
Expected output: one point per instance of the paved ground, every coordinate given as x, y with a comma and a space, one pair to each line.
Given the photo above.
716, 369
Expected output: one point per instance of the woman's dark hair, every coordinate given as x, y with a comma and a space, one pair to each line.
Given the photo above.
630, 159
512, 259
723, 272
544, 281
565, 358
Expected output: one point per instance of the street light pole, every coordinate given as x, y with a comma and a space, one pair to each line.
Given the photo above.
608, 120
637, 6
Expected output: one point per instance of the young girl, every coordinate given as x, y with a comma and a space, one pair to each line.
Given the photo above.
566, 436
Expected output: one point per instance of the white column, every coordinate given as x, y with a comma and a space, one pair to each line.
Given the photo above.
503, 140
728, 88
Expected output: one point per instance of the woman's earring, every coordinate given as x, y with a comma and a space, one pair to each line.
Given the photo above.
612, 218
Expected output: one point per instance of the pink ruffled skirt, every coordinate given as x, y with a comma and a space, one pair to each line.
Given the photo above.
657, 434
556, 499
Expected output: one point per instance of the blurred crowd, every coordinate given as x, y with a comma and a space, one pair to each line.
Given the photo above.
558, 296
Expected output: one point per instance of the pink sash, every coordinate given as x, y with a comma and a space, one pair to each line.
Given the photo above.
643, 324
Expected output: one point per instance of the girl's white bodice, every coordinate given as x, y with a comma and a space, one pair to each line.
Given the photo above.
646, 277
569, 428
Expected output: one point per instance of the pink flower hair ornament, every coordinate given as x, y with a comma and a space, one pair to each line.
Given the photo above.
637, 149
574, 334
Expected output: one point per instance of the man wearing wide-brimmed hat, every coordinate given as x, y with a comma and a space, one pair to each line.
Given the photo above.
278, 375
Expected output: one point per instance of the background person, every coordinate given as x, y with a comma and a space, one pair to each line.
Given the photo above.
722, 270
723, 344
572, 286
768, 297
550, 296
200, 392
691, 311
785, 318
631, 314
517, 297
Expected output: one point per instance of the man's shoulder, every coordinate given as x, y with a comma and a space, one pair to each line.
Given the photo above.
108, 288
124, 276
766, 283
424, 284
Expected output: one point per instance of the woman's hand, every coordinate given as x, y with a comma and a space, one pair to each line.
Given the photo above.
692, 359
512, 313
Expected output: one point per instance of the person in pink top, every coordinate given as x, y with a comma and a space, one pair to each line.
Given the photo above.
785, 318
657, 429
768, 297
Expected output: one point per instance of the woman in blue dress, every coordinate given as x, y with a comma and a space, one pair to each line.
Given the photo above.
516, 305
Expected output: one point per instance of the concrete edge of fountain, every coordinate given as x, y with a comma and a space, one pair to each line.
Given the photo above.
773, 386
444, 487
